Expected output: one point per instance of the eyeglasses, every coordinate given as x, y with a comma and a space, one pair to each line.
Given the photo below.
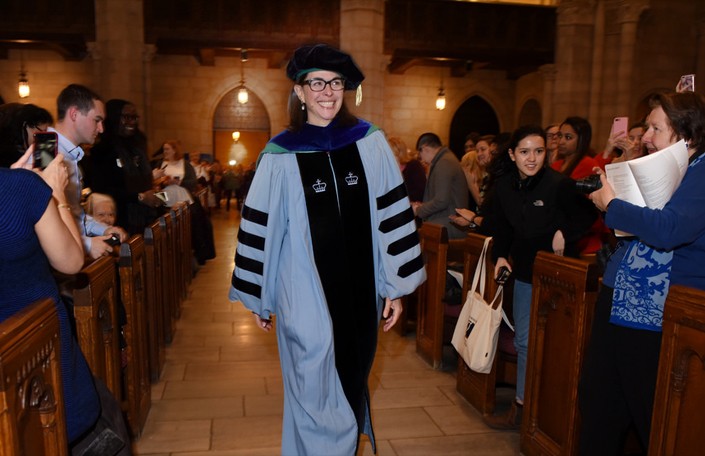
130, 117
553, 135
318, 84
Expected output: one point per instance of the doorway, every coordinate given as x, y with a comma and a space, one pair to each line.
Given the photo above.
474, 115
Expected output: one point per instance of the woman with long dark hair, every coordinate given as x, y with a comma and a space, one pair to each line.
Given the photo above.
534, 208
574, 139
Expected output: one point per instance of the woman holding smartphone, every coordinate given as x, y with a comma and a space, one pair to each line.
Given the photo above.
618, 379
174, 174
38, 233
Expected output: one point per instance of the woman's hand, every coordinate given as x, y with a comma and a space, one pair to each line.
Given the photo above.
57, 177
467, 214
602, 197
501, 261
24, 162
148, 199
391, 313
558, 244
265, 325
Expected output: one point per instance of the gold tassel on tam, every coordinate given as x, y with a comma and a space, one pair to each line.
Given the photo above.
358, 95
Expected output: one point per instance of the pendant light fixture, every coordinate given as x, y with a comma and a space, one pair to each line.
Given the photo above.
23, 84
242, 95
441, 99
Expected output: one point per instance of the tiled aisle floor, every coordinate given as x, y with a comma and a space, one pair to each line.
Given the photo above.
221, 390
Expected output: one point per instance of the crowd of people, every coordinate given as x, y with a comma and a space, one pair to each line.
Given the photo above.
98, 190
332, 199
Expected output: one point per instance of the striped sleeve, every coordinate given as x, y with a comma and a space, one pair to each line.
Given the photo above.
401, 265
254, 276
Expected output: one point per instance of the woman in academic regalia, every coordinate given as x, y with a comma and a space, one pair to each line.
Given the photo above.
328, 243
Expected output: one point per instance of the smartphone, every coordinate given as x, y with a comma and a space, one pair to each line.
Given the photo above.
162, 196
620, 126
46, 145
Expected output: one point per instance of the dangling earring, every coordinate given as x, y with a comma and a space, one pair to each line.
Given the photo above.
303, 106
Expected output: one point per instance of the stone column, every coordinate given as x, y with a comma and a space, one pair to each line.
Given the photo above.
574, 35
700, 47
362, 35
629, 13
120, 47
548, 73
598, 63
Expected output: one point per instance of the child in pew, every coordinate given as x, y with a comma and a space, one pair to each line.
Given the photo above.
102, 208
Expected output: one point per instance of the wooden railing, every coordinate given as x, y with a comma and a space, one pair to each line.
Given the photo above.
136, 372
148, 286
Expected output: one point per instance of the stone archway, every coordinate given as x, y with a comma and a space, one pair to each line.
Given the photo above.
250, 119
475, 114
530, 113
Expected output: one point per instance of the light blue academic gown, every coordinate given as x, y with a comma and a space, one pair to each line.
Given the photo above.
276, 272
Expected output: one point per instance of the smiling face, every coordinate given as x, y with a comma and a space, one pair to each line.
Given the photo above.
128, 120
104, 212
660, 134
484, 153
322, 106
529, 155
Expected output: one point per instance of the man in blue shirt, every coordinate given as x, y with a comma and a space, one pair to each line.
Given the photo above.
80, 121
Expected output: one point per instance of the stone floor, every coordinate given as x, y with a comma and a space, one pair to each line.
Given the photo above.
221, 390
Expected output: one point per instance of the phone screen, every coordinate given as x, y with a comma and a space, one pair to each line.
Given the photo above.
46, 145
620, 125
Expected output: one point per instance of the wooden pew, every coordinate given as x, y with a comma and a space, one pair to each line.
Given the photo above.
32, 415
183, 252
168, 291
176, 269
97, 326
677, 426
153, 250
186, 246
563, 301
137, 398
480, 389
429, 296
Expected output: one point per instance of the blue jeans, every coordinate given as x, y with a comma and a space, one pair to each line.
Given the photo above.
522, 319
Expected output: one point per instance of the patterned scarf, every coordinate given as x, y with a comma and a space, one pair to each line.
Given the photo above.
642, 283
641, 287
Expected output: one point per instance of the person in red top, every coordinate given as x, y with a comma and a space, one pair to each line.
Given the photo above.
573, 147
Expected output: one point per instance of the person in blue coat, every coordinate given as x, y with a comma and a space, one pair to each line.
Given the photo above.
328, 244
618, 380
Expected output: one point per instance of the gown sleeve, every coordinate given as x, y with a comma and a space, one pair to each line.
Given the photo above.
401, 267
260, 238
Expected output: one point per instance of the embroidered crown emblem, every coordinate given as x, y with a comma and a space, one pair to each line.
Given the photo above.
351, 179
319, 186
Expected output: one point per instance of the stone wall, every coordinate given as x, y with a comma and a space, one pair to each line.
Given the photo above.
610, 54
